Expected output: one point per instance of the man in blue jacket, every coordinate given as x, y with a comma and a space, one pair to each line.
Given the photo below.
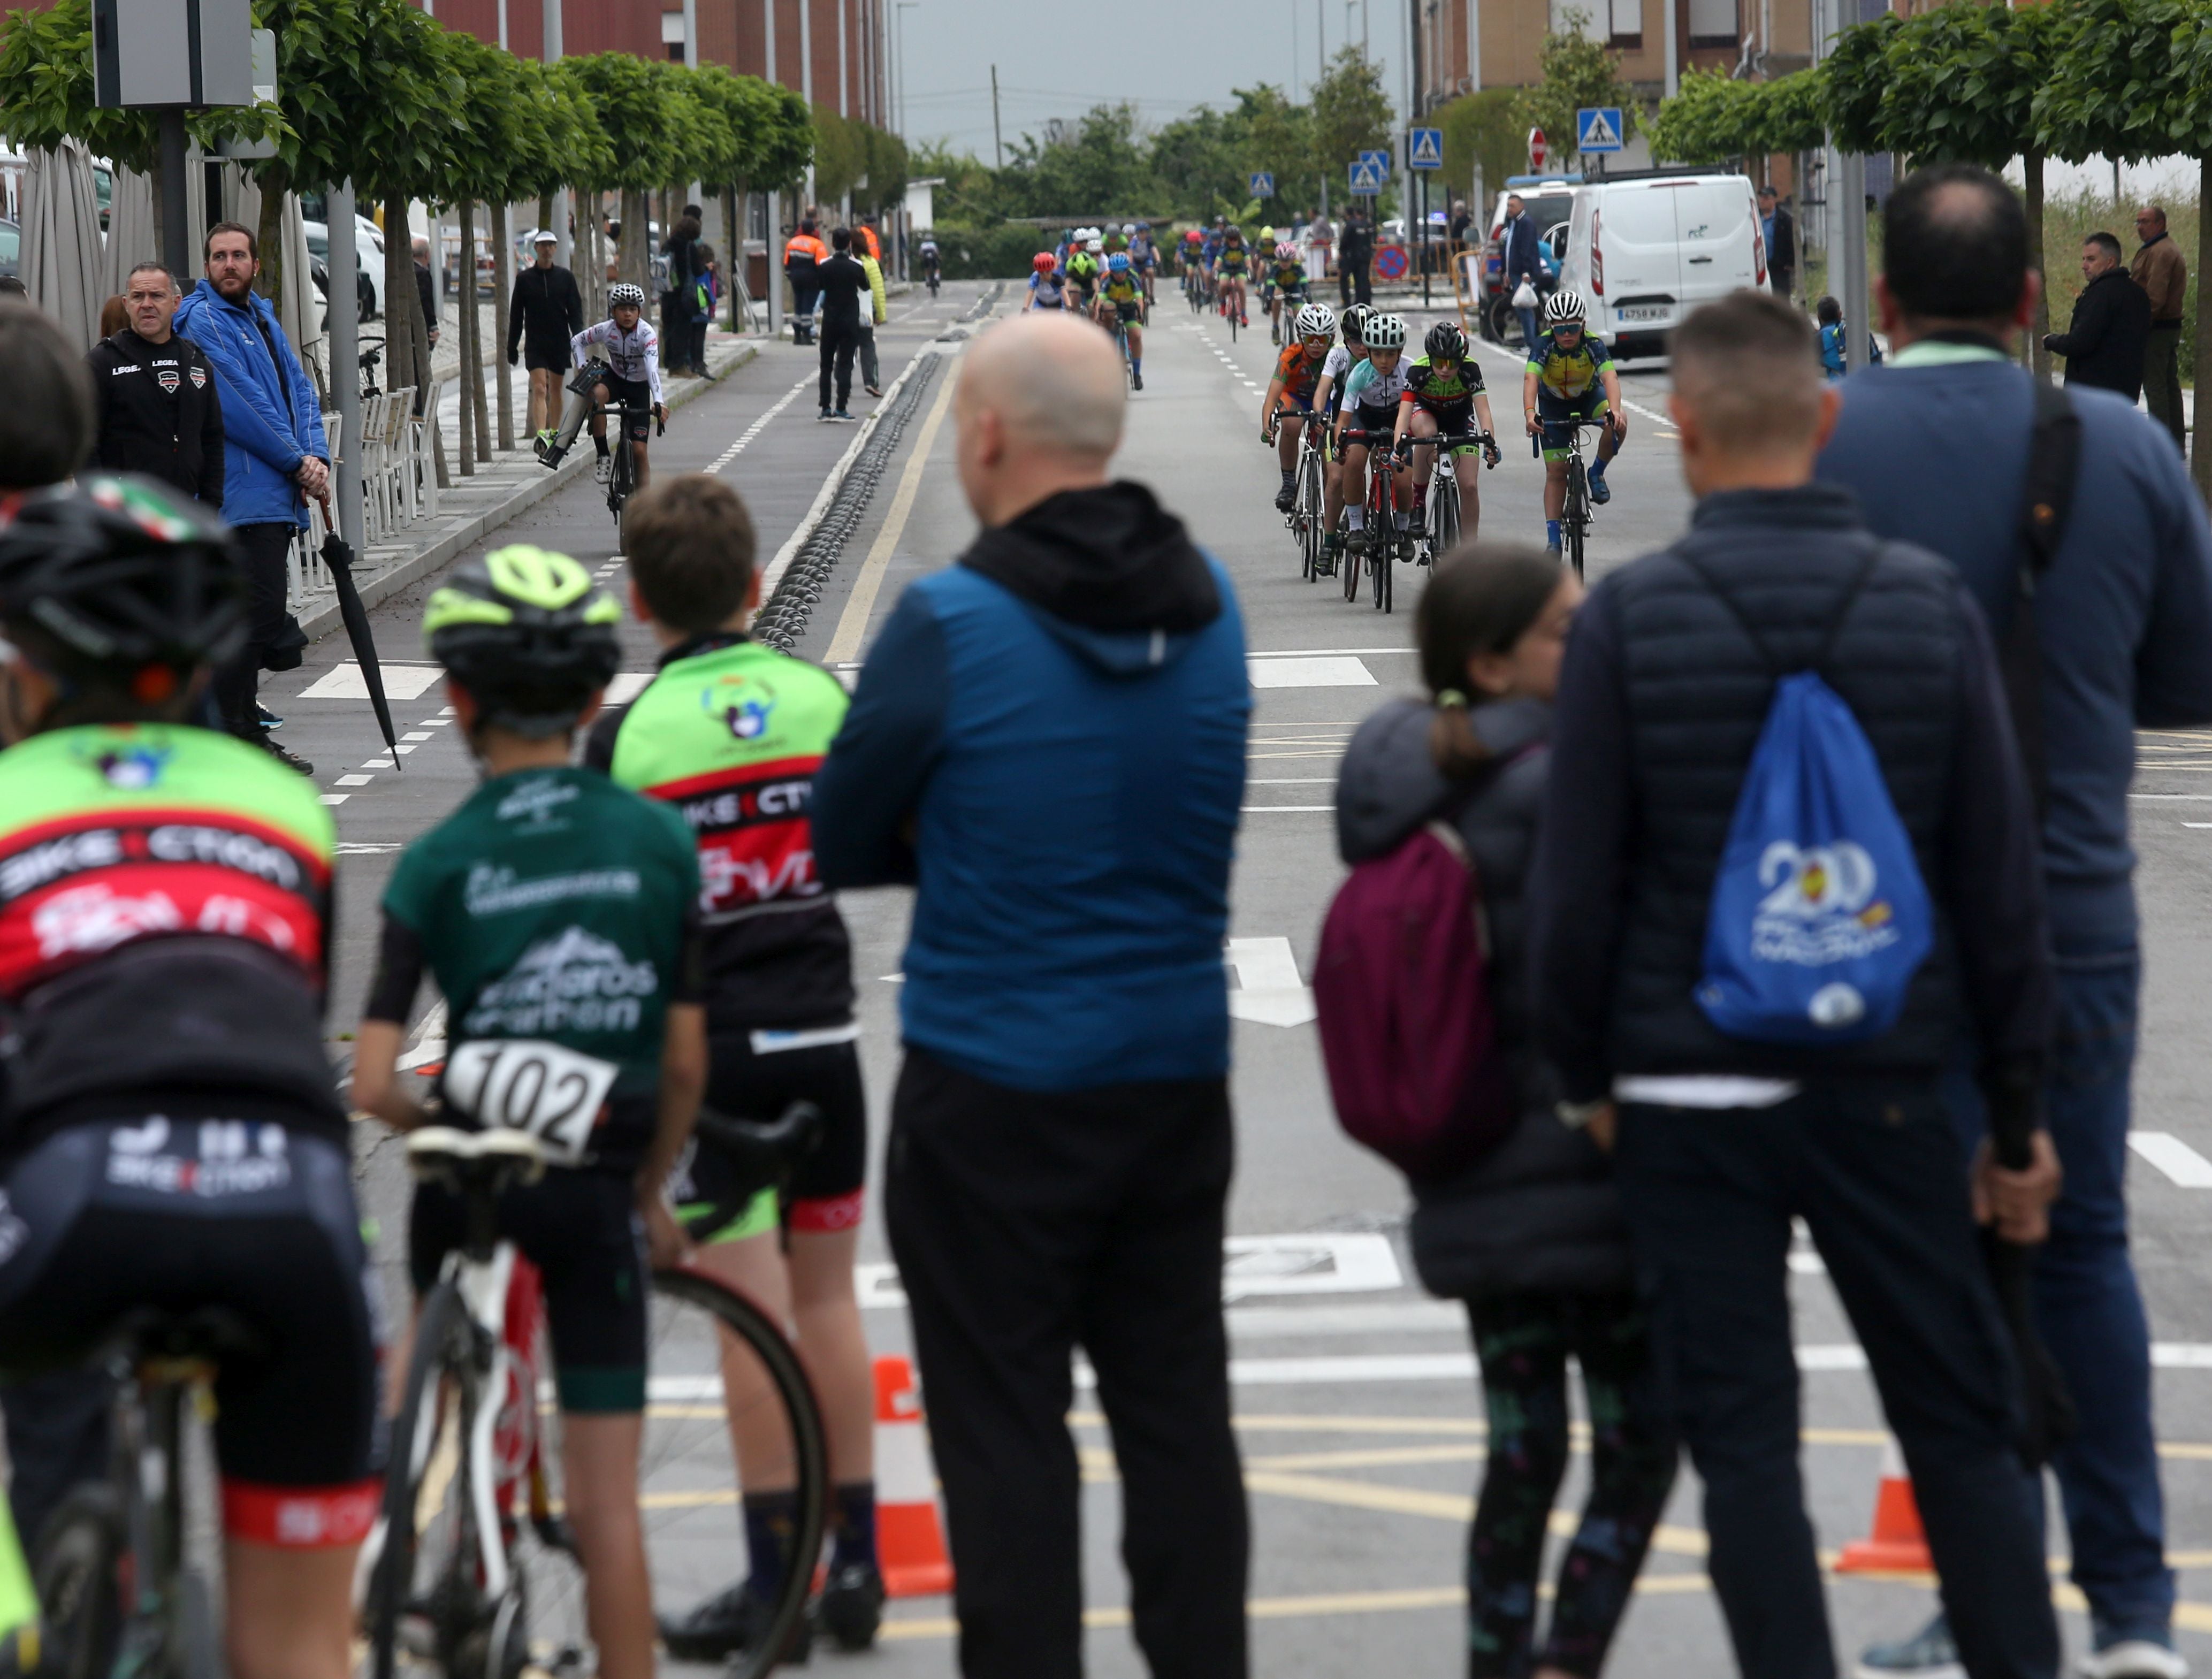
275, 455
1048, 742
1521, 260
1935, 445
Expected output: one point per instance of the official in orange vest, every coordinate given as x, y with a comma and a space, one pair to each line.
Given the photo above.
801, 252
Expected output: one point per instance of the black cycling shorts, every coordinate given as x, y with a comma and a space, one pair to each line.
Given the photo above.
638, 395
192, 1209
750, 1077
582, 1231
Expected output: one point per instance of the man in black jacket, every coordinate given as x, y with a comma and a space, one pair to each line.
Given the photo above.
1780, 230
1721, 1140
2104, 343
159, 410
841, 283
1357, 250
547, 312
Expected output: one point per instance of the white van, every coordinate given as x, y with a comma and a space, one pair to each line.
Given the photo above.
1644, 249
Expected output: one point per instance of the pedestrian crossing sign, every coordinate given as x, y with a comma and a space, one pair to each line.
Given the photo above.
1597, 128
1263, 184
1366, 179
1425, 149
1377, 161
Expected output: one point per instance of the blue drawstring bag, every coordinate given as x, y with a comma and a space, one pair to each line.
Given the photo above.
1819, 918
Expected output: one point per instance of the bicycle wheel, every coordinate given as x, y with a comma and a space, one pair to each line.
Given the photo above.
1574, 515
78, 1577
1443, 518
707, 1342
1311, 536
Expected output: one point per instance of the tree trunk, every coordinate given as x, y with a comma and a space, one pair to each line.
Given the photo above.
589, 261
2200, 459
636, 256
473, 312
502, 284
471, 368
734, 265
400, 304
2040, 327
275, 182
545, 212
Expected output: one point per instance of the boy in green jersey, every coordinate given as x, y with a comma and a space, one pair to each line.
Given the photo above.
557, 913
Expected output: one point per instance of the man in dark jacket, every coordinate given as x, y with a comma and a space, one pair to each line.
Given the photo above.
2103, 344
1521, 260
548, 311
678, 302
1030, 724
842, 283
1357, 250
1721, 1140
1779, 229
1936, 447
160, 412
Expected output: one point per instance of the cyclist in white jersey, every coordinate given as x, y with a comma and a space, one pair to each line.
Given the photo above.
631, 350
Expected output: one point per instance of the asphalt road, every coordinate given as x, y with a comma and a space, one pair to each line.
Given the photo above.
1361, 1420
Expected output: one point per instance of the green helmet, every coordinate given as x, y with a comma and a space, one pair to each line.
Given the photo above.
525, 632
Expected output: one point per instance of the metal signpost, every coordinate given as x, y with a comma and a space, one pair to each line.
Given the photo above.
1425, 153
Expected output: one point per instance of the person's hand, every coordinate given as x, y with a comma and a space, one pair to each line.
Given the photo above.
1534, 425
2051, 342
514, 358
1491, 454
2018, 1203
1267, 433
1602, 1127
1617, 418
666, 1244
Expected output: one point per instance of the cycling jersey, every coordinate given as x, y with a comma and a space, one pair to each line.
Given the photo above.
1082, 272
164, 909
1568, 373
1048, 293
1289, 276
929, 253
1371, 389
1427, 388
1338, 365
1141, 252
552, 908
1234, 259
1126, 296
634, 354
1299, 372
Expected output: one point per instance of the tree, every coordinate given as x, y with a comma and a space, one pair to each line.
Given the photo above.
1096, 170
1195, 159
637, 112
1351, 113
1575, 72
1267, 133
1482, 131
1717, 119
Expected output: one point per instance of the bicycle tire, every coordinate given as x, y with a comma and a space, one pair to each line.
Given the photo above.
686, 1548
1444, 520
1575, 514
1312, 536
78, 1580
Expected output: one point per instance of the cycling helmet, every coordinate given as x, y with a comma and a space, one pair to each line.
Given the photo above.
625, 293
1445, 343
121, 581
1092, 247
1386, 331
1128, 228
1232, 231
1267, 235
1316, 320
1355, 323
1144, 227
1562, 307
1286, 252
1043, 262
1119, 262
1192, 236
525, 632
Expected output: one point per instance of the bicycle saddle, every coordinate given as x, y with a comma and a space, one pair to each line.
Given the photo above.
206, 1335
467, 1160
764, 1149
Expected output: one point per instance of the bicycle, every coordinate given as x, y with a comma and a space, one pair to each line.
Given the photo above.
1121, 347
1304, 518
459, 1581
1380, 542
930, 279
1575, 519
1443, 524
622, 477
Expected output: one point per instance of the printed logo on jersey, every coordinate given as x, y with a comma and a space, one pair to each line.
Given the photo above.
134, 769
212, 1159
493, 889
573, 982
755, 846
535, 801
170, 382
199, 377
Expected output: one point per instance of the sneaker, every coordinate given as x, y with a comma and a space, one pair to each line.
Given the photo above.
826, 414
550, 453
873, 392
605, 470
1601, 491
1556, 556
1136, 381
1417, 519
1284, 496
2135, 1658
265, 717
851, 1606
1928, 1654
841, 415
731, 1621
289, 760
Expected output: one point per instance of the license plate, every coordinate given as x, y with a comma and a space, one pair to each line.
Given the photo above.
1643, 312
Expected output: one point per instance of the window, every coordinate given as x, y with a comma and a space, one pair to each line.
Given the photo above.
1615, 22
1713, 23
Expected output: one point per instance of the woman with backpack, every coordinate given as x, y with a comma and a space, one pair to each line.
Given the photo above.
1530, 1231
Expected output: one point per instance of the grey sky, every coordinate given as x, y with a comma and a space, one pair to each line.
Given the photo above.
1057, 60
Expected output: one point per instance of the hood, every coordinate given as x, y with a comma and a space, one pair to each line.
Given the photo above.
1108, 571
1388, 785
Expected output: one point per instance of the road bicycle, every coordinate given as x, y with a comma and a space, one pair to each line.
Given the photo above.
622, 476
930, 279
1122, 346
1382, 541
1305, 517
1443, 510
471, 1571
1575, 519
1283, 308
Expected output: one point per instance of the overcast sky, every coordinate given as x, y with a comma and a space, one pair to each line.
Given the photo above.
1165, 56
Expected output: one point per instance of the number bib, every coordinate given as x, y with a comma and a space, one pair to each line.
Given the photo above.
552, 1092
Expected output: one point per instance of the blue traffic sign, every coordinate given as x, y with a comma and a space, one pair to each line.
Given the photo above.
1263, 184
1597, 128
1377, 161
1366, 179
1425, 149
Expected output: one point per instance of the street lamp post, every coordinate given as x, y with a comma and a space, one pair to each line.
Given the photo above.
903, 8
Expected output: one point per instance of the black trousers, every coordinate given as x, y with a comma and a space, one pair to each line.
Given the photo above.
265, 546
839, 340
674, 331
1353, 285
1872, 1166
1025, 1226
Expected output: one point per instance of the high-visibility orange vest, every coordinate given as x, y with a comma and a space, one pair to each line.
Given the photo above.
866, 236
805, 246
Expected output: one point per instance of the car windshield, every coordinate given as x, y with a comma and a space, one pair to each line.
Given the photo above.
11, 244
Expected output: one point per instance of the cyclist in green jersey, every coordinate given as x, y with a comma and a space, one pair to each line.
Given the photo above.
730, 733
1084, 267
1232, 267
559, 915
1444, 397
1570, 373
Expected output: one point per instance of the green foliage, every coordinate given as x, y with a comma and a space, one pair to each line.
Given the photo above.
887, 171
970, 196
1855, 78
1716, 119
1096, 169
1483, 129
631, 101
1576, 72
2129, 81
740, 104
788, 142
841, 155
1351, 113
1961, 79
988, 253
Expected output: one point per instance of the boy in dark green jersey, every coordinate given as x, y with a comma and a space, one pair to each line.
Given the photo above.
730, 733
558, 912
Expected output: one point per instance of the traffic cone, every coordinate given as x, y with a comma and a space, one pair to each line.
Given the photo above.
909, 1541
1897, 1545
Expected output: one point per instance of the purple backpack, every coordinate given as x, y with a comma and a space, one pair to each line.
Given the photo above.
1402, 987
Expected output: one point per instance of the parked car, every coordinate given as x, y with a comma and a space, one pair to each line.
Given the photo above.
1549, 199
1645, 248
11, 249
369, 254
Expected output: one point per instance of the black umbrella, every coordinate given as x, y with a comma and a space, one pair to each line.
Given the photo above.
339, 558
2047, 1409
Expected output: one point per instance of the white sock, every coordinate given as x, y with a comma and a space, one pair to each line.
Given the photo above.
1401, 519
1358, 518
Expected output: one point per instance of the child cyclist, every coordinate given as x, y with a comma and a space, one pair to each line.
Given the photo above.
1286, 289
1232, 266
729, 732
1122, 298
1328, 397
1371, 393
1289, 403
626, 341
558, 913
1571, 375
1444, 397
1048, 285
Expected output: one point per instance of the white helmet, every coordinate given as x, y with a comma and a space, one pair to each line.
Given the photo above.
1129, 229
1285, 251
1386, 332
1316, 320
1096, 246
625, 293
1562, 307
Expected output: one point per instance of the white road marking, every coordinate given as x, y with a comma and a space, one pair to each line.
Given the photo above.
2173, 1156
354, 780
336, 798
758, 426
1307, 808
1323, 671
1268, 991
2197, 798
345, 682
1320, 1263
418, 736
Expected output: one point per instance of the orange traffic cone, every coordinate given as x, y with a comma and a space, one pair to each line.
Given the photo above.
909, 1542
1897, 1545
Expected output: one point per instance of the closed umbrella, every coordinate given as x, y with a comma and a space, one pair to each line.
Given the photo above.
61, 255
132, 237
339, 558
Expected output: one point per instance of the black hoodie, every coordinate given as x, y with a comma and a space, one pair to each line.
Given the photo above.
1111, 558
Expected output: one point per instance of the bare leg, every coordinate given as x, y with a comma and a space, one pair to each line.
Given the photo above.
1468, 469
759, 1435
1555, 487
1287, 439
834, 1348
290, 1610
599, 1458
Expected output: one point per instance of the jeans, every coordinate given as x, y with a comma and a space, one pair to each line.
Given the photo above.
2087, 1307
1528, 327
2162, 381
837, 344
870, 375
1871, 1165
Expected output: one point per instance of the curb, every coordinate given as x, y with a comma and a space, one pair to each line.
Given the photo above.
324, 618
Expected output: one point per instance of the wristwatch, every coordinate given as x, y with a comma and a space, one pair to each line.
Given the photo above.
1575, 1115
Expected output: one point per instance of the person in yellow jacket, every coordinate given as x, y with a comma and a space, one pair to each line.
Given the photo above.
871, 373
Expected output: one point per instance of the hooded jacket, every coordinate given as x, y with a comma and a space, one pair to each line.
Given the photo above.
271, 419
1539, 1214
1048, 740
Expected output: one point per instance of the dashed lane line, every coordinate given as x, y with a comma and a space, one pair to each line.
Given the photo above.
746, 436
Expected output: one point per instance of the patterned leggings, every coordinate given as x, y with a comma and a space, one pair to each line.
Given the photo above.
1523, 1341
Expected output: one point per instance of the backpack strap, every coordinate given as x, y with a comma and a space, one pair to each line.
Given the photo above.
2054, 458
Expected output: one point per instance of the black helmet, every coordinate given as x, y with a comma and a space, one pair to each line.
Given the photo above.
122, 583
525, 632
1445, 343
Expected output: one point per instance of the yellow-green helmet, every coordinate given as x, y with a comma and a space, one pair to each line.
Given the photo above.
525, 632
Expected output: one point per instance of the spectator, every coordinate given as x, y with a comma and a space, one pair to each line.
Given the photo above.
1030, 721
2163, 273
1780, 229
804, 254
1357, 250
841, 283
2104, 344
873, 314
1523, 256
1723, 1139
1459, 219
865, 245
115, 315
1830, 314
426, 291
1321, 233
708, 297
546, 313
1530, 1238
159, 410
1935, 448
274, 459
677, 303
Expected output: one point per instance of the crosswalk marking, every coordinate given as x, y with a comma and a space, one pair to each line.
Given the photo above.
1268, 990
2173, 1156
1323, 671
345, 681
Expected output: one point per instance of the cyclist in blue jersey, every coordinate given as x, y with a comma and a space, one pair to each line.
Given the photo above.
1571, 374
